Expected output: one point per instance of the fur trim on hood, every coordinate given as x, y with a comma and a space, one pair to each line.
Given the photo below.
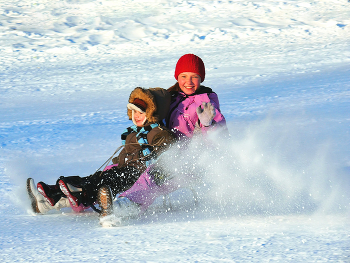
157, 100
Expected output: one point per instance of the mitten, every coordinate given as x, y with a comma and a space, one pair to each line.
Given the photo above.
207, 114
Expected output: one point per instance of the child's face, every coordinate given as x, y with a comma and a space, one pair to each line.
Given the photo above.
189, 82
139, 118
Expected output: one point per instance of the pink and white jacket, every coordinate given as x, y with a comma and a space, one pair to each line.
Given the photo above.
182, 117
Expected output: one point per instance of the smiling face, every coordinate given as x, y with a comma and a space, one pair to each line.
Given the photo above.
139, 118
189, 82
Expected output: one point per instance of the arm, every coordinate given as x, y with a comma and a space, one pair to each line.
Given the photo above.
162, 138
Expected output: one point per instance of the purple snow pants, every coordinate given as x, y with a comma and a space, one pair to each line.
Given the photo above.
145, 190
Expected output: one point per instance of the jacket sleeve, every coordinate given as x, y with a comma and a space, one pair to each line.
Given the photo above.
115, 160
161, 139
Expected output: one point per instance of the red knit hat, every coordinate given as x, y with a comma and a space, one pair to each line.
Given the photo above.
190, 63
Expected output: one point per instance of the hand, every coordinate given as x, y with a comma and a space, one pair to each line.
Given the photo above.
207, 114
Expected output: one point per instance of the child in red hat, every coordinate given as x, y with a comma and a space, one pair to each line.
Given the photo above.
194, 106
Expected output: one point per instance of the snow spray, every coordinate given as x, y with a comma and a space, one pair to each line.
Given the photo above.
267, 167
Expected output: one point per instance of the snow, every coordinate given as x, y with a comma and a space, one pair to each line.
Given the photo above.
278, 191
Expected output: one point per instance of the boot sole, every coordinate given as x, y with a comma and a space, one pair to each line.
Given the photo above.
33, 200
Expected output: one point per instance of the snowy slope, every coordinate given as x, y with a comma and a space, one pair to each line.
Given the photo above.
279, 192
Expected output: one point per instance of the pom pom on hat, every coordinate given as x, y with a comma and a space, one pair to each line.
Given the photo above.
190, 63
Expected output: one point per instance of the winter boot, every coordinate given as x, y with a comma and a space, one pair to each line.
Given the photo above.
79, 190
38, 202
73, 193
105, 201
51, 193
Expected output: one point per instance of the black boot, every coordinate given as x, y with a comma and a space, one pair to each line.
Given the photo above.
51, 193
80, 190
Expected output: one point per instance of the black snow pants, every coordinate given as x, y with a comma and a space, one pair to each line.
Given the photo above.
118, 179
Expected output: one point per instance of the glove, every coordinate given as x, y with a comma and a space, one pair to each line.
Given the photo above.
207, 114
